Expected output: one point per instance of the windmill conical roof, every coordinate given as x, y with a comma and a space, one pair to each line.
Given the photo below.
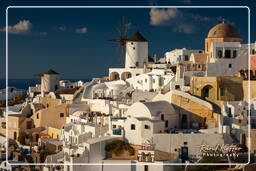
137, 37
49, 72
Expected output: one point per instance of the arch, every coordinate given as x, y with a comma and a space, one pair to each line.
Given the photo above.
219, 54
114, 76
206, 91
234, 53
126, 75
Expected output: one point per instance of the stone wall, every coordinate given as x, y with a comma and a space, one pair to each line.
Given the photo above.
199, 111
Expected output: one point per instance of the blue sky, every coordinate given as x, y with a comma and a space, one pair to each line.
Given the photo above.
74, 41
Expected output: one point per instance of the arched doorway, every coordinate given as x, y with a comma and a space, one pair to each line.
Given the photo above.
114, 76
126, 75
207, 91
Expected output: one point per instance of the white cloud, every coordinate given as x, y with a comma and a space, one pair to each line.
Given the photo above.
162, 16
172, 17
82, 30
180, 21
22, 27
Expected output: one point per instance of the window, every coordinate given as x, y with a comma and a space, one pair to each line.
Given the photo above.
137, 64
133, 48
4, 125
37, 116
145, 167
56, 87
229, 112
234, 53
132, 126
146, 126
166, 124
220, 54
227, 53
253, 51
177, 87
145, 80
47, 105
186, 58
61, 115
114, 126
222, 91
137, 74
162, 117
185, 143
131, 43
230, 65
154, 80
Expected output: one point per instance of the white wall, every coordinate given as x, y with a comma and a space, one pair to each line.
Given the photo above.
228, 67
154, 80
136, 52
48, 82
178, 55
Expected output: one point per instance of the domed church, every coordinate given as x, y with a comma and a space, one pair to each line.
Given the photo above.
226, 55
222, 41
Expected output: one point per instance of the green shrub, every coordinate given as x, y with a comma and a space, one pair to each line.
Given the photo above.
118, 146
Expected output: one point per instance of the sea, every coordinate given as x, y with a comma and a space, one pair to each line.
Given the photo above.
25, 83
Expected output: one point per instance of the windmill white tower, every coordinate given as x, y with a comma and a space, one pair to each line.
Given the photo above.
136, 51
49, 81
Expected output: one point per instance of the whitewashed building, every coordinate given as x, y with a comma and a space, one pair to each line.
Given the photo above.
12, 92
178, 55
151, 81
145, 119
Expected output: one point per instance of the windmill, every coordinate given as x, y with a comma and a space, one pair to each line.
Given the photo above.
122, 30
